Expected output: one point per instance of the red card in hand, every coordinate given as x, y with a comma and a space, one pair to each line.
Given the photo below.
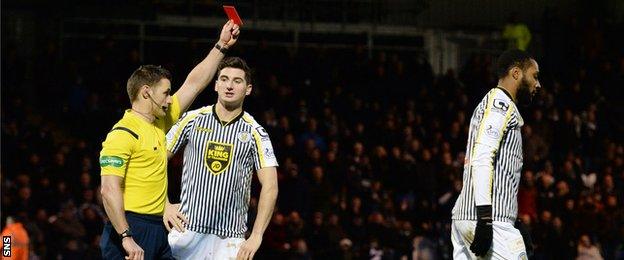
232, 14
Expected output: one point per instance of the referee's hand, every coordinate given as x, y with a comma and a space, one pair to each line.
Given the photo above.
482, 241
229, 34
134, 251
173, 218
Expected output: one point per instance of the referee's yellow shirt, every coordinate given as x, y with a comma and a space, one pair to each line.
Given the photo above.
136, 151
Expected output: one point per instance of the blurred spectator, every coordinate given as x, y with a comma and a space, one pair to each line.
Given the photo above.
587, 250
371, 149
71, 232
276, 238
517, 34
423, 249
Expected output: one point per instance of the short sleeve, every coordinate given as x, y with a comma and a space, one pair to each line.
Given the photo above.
178, 134
116, 151
173, 114
263, 154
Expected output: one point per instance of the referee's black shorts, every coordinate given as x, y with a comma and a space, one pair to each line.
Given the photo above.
148, 231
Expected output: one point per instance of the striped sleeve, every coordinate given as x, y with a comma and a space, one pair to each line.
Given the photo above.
489, 135
263, 154
178, 134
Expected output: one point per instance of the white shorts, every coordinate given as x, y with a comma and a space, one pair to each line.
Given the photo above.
507, 241
193, 245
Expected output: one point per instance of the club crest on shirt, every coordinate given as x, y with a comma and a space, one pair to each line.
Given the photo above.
243, 136
218, 156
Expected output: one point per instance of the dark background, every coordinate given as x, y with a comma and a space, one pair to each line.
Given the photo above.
368, 127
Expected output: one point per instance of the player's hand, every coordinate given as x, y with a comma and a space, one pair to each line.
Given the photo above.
173, 218
229, 34
249, 247
134, 251
482, 241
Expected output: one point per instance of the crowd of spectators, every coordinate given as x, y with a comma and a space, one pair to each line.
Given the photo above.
371, 150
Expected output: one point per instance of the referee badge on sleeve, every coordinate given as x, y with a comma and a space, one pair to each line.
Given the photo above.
218, 156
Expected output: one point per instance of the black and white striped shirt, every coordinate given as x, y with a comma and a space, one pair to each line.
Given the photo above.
219, 160
493, 159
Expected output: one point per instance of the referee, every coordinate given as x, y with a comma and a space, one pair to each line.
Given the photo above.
224, 145
487, 207
133, 159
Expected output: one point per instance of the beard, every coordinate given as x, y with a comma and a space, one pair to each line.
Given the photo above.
524, 94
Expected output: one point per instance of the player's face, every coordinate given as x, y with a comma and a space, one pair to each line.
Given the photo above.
232, 87
161, 97
529, 84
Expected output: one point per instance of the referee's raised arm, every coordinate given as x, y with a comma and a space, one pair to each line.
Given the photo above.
202, 74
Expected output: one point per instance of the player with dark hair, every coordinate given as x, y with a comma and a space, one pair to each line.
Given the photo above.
487, 207
223, 145
133, 159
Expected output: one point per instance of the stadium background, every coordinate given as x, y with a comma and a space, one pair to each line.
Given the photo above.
367, 103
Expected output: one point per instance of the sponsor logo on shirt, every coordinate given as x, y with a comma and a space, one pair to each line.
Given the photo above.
218, 156
269, 153
203, 129
491, 132
113, 161
500, 106
263, 133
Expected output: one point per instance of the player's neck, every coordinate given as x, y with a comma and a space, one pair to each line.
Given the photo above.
509, 86
143, 111
227, 113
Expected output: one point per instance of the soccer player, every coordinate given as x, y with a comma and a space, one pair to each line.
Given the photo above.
133, 159
487, 207
224, 145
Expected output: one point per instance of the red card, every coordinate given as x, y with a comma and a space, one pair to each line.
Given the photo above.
232, 14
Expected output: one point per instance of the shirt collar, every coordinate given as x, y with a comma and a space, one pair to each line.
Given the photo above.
506, 92
223, 123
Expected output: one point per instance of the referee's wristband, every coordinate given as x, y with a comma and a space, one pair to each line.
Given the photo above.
126, 233
222, 49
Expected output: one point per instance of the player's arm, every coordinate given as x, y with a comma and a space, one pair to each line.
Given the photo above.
268, 195
177, 136
202, 74
489, 136
265, 163
116, 151
490, 132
